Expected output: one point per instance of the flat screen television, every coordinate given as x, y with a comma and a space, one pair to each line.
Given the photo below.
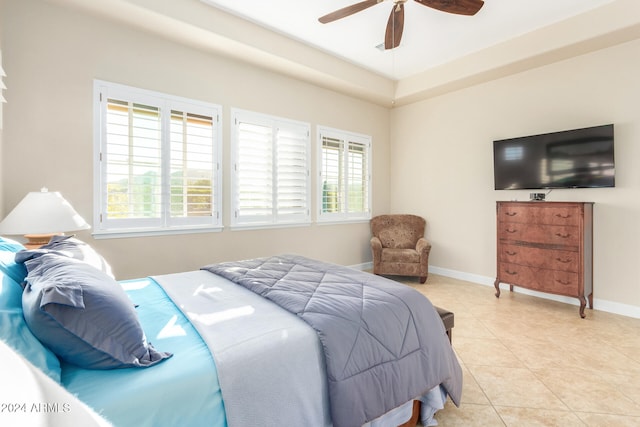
579, 158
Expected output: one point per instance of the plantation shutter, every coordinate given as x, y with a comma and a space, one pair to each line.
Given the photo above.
192, 166
133, 162
332, 190
345, 176
357, 178
271, 171
254, 172
292, 173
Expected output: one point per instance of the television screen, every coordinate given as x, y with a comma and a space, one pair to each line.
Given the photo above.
579, 158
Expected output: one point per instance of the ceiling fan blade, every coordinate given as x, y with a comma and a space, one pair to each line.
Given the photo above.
349, 10
395, 25
459, 7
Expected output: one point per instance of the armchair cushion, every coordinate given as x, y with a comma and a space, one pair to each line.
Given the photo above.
400, 255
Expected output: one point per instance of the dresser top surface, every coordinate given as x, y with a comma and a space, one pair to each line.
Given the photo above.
542, 203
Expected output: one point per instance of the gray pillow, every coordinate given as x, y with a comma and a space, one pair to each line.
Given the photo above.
70, 247
83, 315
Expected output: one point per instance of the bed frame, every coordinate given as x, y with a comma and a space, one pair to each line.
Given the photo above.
448, 321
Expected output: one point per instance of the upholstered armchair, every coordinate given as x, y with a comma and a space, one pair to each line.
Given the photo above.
399, 247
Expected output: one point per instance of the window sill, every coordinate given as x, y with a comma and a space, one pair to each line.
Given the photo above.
242, 227
342, 221
120, 234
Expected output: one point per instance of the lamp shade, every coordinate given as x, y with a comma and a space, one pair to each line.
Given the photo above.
42, 212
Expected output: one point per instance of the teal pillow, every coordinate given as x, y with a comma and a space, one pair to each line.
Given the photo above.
10, 245
8, 265
15, 332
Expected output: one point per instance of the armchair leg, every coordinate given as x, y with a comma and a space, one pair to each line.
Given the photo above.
423, 279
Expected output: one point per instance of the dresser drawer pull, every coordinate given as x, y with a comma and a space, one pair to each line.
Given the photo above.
511, 213
512, 253
509, 230
563, 236
563, 282
511, 273
563, 216
564, 261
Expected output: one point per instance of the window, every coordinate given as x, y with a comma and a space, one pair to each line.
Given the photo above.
344, 187
270, 171
157, 167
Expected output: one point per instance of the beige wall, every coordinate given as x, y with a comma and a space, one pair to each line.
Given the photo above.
1, 126
52, 56
442, 163
432, 157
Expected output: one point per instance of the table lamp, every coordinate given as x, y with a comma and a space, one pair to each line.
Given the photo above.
41, 215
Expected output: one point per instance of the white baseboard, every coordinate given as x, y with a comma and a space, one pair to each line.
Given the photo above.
598, 304
363, 267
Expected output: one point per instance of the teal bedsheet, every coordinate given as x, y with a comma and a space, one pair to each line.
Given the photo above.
181, 391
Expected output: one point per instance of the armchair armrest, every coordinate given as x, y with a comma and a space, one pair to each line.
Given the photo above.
423, 247
376, 250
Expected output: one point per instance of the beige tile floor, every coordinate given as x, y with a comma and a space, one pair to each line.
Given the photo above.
529, 361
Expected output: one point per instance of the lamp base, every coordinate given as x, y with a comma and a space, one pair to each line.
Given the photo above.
35, 241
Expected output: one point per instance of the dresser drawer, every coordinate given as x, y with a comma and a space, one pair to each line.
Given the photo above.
531, 214
558, 235
549, 259
540, 279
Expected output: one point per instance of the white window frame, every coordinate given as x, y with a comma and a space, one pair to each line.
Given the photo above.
275, 218
105, 227
345, 214
2, 87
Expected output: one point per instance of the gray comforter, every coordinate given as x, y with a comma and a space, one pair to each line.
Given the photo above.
384, 343
256, 345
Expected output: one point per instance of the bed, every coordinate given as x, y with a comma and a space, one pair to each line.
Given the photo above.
226, 345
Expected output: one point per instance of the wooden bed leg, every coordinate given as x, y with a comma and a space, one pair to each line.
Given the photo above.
413, 421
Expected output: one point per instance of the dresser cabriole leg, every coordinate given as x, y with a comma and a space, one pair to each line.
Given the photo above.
497, 286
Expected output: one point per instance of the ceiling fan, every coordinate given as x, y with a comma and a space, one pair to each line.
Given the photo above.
395, 24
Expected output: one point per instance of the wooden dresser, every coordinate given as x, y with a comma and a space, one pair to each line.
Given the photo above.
546, 247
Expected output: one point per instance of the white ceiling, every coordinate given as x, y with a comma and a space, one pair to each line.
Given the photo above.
439, 52
430, 38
